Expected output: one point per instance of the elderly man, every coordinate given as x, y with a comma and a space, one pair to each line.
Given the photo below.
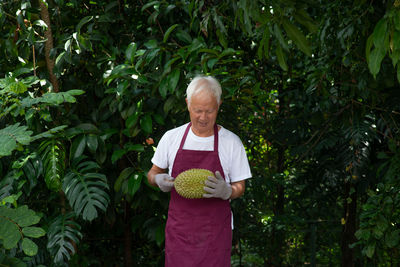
199, 231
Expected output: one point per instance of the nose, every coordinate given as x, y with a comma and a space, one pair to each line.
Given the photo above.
203, 116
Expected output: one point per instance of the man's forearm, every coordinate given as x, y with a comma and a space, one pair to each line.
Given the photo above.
152, 173
238, 189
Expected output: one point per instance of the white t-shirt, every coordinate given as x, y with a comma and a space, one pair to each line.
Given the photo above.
230, 150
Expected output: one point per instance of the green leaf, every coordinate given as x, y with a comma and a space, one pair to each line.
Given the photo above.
169, 103
21, 71
398, 73
279, 36
29, 247
130, 52
132, 120
49, 133
375, 60
78, 146
12, 136
221, 38
18, 88
382, 223
184, 36
159, 119
160, 234
82, 128
40, 23
83, 22
85, 188
122, 178
9, 231
34, 232
363, 234
146, 123
52, 153
146, 6
151, 44
281, 58
134, 183
117, 154
134, 147
379, 33
62, 232
297, 36
392, 239
368, 47
396, 20
370, 250
173, 79
163, 87
168, 32
12, 220
303, 18
23, 216
92, 142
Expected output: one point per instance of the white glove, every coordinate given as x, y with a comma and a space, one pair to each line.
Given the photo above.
164, 181
217, 187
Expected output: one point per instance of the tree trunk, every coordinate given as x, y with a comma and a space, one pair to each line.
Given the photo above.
278, 236
44, 13
349, 226
128, 236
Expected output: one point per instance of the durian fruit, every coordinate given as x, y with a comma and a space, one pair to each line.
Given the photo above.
190, 183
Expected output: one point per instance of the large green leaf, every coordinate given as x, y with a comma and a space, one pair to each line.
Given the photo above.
16, 224
29, 247
128, 182
49, 133
130, 52
86, 189
392, 238
52, 152
62, 233
379, 33
53, 98
13, 86
146, 123
78, 146
281, 58
12, 136
173, 79
297, 36
375, 59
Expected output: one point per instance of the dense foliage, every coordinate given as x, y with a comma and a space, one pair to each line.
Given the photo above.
87, 88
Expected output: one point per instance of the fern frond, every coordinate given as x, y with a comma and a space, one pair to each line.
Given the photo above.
53, 156
62, 232
86, 189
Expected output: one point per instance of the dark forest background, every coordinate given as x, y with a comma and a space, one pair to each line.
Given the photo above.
87, 88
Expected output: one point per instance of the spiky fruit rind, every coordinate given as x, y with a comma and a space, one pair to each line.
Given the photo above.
190, 183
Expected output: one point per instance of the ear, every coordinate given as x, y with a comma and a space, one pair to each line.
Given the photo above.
187, 102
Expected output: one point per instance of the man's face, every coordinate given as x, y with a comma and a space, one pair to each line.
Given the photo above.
203, 110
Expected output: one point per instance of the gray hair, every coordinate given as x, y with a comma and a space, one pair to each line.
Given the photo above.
201, 83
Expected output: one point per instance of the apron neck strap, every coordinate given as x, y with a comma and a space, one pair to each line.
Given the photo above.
187, 131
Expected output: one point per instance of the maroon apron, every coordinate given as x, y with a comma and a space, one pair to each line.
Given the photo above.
198, 231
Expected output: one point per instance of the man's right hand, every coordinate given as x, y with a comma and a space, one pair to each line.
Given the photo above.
164, 181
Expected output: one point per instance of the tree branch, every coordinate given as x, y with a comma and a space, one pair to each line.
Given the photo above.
44, 13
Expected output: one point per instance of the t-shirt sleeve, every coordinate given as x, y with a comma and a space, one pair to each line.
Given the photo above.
240, 168
160, 157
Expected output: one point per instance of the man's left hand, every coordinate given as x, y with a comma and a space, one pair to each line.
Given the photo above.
217, 187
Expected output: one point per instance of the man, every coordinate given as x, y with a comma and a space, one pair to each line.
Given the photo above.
198, 231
